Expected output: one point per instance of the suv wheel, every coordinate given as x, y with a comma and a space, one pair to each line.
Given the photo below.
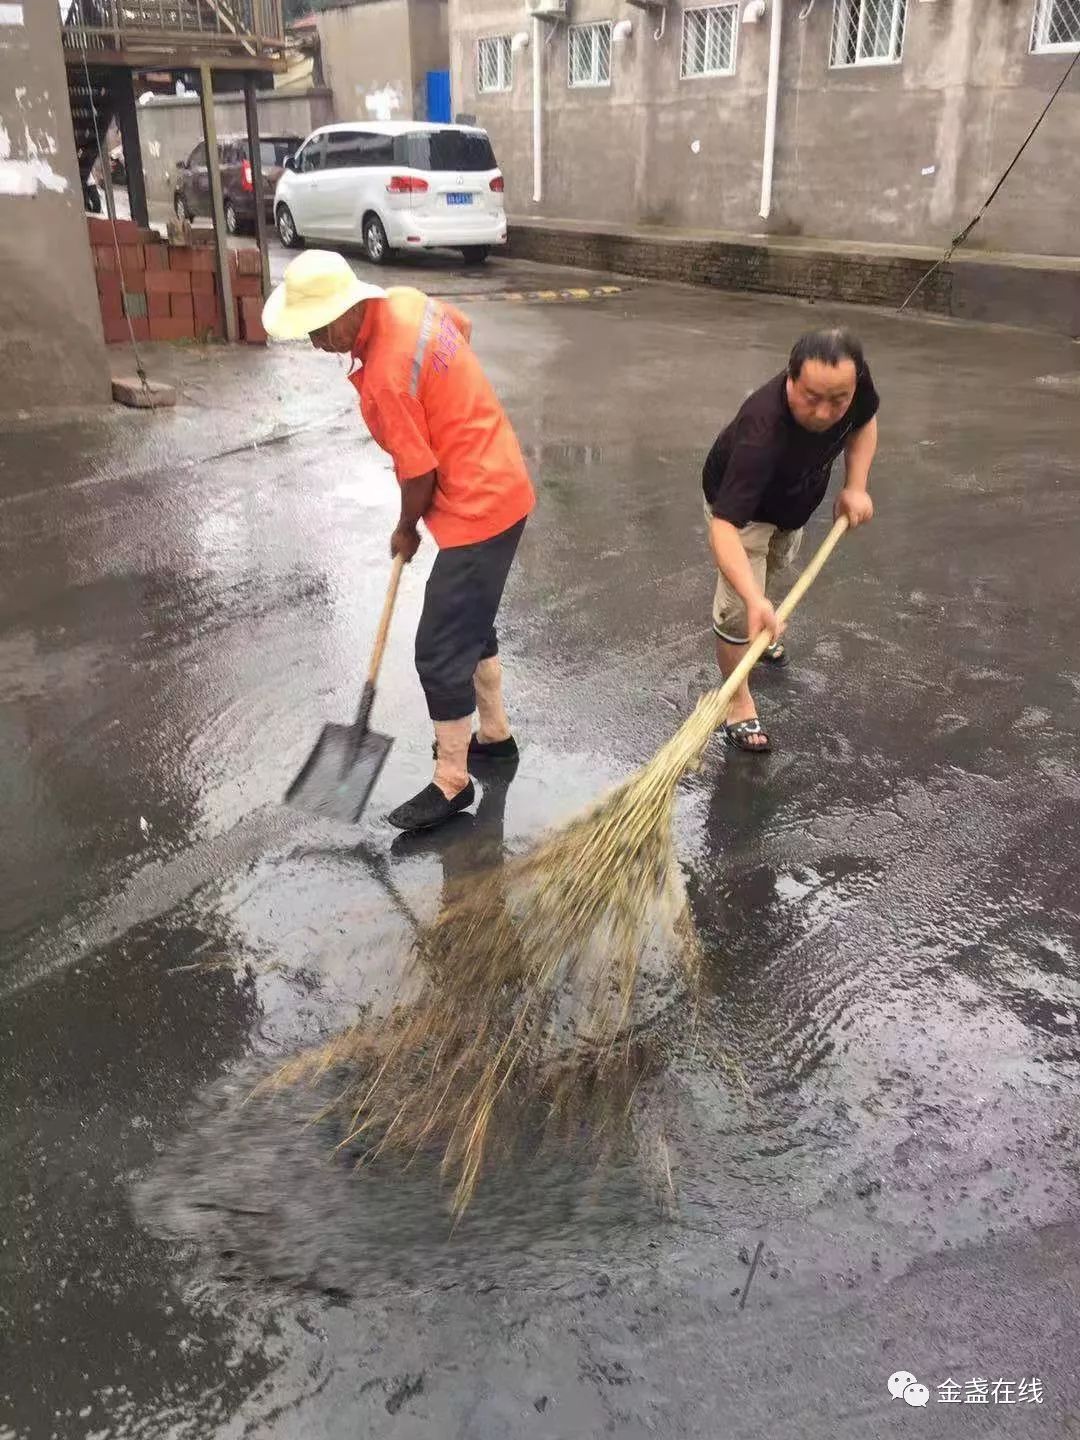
286, 228
476, 254
181, 207
376, 245
232, 220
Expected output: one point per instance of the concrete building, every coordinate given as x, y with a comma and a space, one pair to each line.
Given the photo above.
894, 118
377, 56
66, 72
52, 351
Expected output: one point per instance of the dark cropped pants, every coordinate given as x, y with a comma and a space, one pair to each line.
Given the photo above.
457, 626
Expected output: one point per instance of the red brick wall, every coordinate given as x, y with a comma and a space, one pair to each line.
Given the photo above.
171, 292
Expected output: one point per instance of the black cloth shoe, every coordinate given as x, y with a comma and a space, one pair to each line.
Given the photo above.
493, 749
431, 808
488, 749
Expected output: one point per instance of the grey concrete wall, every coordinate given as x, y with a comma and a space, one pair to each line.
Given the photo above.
429, 39
52, 352
885, 153
367, 60
171, 126
376, 54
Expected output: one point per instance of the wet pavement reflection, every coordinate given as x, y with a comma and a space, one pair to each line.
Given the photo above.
882, 1070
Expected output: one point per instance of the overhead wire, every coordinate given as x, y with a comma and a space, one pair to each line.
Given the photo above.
959, 239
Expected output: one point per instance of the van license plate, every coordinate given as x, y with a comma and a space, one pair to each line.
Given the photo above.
457, 198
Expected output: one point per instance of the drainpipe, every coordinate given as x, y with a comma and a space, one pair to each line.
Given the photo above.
538, 110
771, 102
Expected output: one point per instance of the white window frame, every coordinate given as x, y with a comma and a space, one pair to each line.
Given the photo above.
1041, 24
504, 64
708, 11
594, 27
899, 12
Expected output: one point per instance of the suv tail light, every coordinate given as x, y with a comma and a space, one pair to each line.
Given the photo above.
406, 185
246, 181
497, 184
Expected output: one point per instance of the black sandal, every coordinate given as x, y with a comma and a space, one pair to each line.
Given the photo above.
777, 656
737, 736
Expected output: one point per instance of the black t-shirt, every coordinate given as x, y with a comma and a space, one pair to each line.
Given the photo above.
766, 467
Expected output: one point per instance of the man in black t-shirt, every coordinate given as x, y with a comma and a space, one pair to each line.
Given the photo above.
766, 475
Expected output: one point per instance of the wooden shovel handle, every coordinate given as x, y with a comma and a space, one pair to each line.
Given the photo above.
384, 621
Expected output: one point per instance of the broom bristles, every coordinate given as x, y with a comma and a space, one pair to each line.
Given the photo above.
543, 953
529, 979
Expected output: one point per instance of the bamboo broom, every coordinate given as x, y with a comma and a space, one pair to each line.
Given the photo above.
537, 961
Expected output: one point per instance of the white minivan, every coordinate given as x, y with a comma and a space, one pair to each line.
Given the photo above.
394, 185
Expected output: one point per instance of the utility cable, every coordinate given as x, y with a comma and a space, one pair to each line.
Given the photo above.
958, 240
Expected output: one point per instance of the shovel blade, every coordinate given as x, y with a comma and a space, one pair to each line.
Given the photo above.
339, 775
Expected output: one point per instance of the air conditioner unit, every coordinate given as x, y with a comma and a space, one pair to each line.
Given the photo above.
548, 9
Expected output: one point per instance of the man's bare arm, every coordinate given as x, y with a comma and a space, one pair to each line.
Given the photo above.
854, 499
415, 503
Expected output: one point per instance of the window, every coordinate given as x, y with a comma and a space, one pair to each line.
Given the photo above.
311, 156
197, 157
378, 150
868, 32
343, 149
1056, 27
708, 40
461, 150
358, 149
274, 153
494, 64
590, 54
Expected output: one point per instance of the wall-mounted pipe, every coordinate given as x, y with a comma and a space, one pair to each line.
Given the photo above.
538, 109
772, 100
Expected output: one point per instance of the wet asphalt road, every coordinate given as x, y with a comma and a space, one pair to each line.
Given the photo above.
887, 905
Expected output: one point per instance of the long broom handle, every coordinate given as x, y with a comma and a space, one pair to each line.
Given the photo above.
384, 621
758, 646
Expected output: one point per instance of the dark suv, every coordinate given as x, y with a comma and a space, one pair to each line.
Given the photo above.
191, 193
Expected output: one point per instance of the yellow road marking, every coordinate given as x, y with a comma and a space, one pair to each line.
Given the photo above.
520, 296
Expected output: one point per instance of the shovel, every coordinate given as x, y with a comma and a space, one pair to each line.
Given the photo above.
340, 773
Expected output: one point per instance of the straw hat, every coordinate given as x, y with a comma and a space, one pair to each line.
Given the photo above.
318, 287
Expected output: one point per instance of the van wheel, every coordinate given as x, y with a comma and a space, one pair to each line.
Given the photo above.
232, 220
376, 245
286, 228
476, 254
181, 207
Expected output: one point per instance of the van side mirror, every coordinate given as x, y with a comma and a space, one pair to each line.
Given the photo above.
290, 162
181, 165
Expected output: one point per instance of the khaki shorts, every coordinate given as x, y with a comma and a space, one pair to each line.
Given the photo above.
769, 551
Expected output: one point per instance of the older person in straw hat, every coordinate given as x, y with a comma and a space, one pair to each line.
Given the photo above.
428, 404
